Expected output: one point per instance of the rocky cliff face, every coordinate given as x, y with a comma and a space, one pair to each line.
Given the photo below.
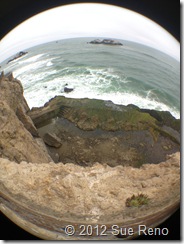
105, 153
18, 134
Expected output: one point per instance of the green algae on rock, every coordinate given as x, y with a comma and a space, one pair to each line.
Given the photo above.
90, 114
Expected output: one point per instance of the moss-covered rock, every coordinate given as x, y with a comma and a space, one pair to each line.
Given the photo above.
104, 132
91, 114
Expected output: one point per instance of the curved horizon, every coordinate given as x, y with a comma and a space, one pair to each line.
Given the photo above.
88, 20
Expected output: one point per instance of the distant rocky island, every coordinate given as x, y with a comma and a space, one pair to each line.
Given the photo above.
18, 55
106, 42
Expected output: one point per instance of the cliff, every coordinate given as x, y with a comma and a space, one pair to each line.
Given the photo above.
19, 140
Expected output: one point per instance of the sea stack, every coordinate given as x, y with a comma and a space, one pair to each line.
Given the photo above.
106, 42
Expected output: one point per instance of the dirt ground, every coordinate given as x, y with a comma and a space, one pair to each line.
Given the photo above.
85, 148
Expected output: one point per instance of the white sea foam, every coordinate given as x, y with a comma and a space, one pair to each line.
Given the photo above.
31, 59
140, 101
90, 83
129, 98
39, 96
49, 64
30, 68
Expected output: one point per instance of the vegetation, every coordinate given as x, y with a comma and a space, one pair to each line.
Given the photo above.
137, 201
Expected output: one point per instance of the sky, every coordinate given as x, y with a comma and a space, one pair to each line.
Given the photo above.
88, 20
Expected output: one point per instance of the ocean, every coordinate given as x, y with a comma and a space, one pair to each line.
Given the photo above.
128, 74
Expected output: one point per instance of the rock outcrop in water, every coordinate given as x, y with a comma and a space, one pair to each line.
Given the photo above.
67, 89
125, 151
106, 42
18, 55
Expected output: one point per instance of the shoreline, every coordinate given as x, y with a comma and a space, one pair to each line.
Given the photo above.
37, 192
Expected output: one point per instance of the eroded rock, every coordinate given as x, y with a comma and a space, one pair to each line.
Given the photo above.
91, 195
17, 130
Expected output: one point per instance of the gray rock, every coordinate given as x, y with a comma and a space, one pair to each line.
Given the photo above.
52, 140
67, 90
106, 42
173, 133
18, 55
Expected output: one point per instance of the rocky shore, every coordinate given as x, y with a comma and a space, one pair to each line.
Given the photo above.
90, 130
76, 161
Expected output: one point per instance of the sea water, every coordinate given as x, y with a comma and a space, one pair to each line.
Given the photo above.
128, 74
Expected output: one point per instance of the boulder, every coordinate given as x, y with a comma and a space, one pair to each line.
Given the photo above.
52, 140
67, 90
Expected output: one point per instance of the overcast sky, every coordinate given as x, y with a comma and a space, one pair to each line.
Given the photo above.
88, 20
